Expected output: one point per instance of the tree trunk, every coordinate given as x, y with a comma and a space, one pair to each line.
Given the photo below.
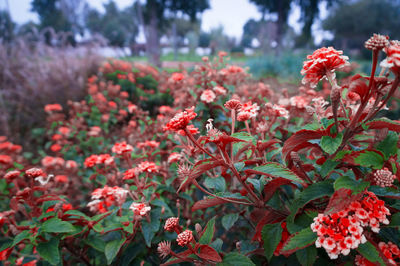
174, 38
153, 40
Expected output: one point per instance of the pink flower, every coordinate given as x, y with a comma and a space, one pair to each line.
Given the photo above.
322, 62
180, 120
207, 96
164, 248
139, 208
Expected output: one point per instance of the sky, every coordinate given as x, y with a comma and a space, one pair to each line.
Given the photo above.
231, 14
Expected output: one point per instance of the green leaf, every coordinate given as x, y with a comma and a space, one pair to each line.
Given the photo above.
21, 236
277, 170
229, 220
370, 253
395, 220
307, 256
388, 146
150, 229
328, 167
77, 213
370, 159
353, 185
235, 259
96, 243
49, 251
208, 234
271, 235
55, 225
300, 240
329, 144
112, 248
217, 183
312, 192
385, 191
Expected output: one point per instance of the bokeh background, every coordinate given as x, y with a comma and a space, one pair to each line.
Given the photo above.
48, 48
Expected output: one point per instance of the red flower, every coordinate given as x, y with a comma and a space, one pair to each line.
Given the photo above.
130, 174
177, 76
393, 57
322, 61
120, 148
207, 96
149, 167
181, 120
171, 224
52, 108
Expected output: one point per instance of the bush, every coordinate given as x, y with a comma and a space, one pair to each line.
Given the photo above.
231, 173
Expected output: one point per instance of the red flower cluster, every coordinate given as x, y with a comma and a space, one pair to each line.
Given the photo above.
95, 159
52, 108
285, 236
148, 144
208, 96
247, 111
122, 147
322, 61
393, 57
102, 198
180, 120
149, 167
171, 224
140, 209
340, 232
184, 238
389, 250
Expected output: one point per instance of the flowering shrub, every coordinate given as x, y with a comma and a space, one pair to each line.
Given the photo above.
230, 173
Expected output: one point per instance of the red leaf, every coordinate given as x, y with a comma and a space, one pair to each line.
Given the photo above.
358, 86
183, 257
300, 140
340, 200
384, 123
261, 146
268, 218
272, 186
198, 169
208, 253
206, 203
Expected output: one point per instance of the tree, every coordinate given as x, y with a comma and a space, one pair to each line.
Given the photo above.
117, 26
61, 15
7, 26
353, 23
155, 14
251, 31
279, 7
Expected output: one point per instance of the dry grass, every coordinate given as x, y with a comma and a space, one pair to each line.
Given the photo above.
32, 75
